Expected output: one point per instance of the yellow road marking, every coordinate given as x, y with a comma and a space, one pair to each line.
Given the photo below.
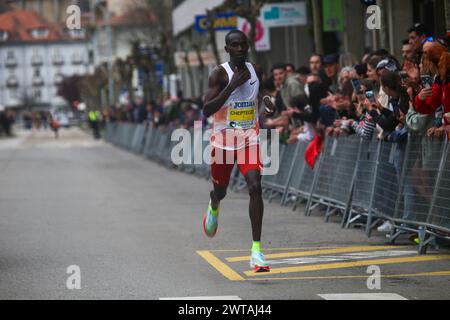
316, 252
328, 266
225, 270
422, 274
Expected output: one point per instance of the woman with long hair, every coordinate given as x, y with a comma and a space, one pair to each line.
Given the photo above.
436, 63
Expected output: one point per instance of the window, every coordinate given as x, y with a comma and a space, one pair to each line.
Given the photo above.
58, 59
77, 59
36, 60
13, 93
37, 94
39, 33
58, 79
37, 79
10, 59
3, 35
77, 33
12, 82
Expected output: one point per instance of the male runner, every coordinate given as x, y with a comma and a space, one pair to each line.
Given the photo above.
233, 97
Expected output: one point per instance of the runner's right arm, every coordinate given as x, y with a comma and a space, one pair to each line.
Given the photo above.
217, 95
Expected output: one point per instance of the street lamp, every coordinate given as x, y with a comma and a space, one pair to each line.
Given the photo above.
106, 16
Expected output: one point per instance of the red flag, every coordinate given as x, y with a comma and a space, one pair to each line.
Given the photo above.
313, 151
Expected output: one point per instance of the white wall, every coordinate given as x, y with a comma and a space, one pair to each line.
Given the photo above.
24, 71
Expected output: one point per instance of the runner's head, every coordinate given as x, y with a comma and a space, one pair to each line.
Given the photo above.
236, 45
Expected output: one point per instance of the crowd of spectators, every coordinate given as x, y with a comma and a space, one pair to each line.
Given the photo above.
375, 97
165, 111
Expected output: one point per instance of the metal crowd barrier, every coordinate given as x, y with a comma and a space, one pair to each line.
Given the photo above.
335, 177
365, 182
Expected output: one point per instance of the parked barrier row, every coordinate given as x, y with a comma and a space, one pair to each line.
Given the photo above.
360, 182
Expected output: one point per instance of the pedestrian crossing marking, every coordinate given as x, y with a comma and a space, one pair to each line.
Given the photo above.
342, 265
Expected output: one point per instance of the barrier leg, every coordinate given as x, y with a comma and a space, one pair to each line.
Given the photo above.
309, 206
291, 169
370, 225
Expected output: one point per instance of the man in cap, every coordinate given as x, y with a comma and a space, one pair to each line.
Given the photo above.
332, 69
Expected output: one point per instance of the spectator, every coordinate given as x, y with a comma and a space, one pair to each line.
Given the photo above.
290, 69
374, 70
289, 85
315, 63
6, 121
361, 71
347, 60
437, 98
302, 74
407, 50
332, 69
398, 103
345, 75
417, 34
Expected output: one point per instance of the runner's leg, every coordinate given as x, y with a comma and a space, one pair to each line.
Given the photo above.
256, 205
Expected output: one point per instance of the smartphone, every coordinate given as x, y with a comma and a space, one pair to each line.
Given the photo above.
356, 85
370, 96
426, 81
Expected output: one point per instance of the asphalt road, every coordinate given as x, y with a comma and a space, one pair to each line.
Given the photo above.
134, 230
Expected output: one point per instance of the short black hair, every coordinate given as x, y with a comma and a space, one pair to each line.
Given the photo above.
300, 101
380, 53
361, 69
290, 65
374, 61
418, 28
405, 42
315, 54
269, 84
279, 66
229, 34
303, 70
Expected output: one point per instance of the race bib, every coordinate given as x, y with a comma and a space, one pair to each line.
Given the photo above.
242, 115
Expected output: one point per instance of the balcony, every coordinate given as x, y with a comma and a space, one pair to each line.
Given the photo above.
38, 81
58, 60
58, 79
12, 82
36, 61
11, 62
77, 59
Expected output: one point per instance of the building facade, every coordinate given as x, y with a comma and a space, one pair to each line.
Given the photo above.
294, 44
35, 57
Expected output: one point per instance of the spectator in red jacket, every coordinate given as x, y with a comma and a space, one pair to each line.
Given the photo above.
436, 62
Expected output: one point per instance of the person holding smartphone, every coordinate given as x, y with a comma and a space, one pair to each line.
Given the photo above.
436, 98
389, 118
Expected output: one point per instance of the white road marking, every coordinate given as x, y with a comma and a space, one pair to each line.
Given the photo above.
342, 257
362, 296
205, 298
